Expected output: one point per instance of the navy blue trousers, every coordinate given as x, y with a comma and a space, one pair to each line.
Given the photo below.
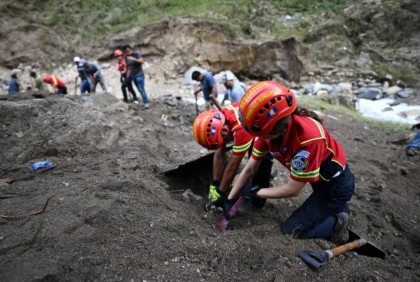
315, 218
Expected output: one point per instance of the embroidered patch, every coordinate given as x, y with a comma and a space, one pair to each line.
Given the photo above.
302, 153
299, 163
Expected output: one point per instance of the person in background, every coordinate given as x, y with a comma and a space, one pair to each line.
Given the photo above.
94, 74
414, 144
297, 139
125, 82
14, 86
37, 83
207, 85
234, 90
58, 86
84, 82
135, 72
5, 85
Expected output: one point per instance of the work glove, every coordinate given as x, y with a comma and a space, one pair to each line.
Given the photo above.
228, 206
254, 190
215, 195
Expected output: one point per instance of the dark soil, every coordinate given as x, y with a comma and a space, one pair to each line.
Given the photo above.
113, 216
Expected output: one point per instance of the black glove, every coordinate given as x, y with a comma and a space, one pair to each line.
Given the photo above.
254, 190
228, 206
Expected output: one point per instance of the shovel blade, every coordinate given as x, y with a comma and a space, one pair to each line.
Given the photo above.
315, 260
368, 249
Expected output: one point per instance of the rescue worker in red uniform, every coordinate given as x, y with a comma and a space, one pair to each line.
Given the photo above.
296, 138
125, 81
213, 129
58, 86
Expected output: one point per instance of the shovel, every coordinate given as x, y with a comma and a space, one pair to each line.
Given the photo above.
317, 260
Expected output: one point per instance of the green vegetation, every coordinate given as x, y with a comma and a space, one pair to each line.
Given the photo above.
403, 73
100, 17
316, 104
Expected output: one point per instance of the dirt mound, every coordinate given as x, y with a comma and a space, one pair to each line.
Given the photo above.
54, 127
113, 216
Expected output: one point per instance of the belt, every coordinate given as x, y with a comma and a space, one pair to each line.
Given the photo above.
338, 173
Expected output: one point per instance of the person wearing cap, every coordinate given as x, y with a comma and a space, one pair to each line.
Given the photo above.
135, 73
84, 82
58, 86
37, 81
14, 86
234, 90
5, 85
207, 85
94, 75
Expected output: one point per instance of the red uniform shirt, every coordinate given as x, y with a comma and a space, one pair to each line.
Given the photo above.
122, 65
242, 141
308, 151
54, 81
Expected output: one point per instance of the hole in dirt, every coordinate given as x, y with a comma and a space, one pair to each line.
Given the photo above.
195, 175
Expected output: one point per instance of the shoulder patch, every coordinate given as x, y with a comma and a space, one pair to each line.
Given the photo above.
303, 154
299, 163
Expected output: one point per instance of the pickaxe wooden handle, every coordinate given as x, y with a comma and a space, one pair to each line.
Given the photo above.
346, 247
216, 102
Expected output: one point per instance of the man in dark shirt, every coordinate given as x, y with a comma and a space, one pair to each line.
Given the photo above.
208, 86
84, 84
135, 72
94, 74
14, 86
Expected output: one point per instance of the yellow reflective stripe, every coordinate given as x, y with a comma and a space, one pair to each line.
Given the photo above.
321, 131
54, 80
259, 154
343, 166
309, 140
240, 149
235, 110
301, 174
327, 180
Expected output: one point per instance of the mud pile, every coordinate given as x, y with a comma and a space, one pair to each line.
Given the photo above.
112, 215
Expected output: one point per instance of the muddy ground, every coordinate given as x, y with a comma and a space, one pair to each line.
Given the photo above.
113, 216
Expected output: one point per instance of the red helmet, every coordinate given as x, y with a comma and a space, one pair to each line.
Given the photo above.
118, 52
263, 105
207, 129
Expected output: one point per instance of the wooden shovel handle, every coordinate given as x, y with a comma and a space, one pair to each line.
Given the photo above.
216, 102
347, 247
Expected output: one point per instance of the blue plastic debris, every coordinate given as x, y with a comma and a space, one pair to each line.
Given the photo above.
43, 164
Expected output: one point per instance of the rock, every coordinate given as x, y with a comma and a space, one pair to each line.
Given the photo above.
322, 93
392, 90
372, 94
404, 93
411, 114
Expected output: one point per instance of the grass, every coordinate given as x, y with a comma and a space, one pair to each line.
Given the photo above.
101, 17
314, 103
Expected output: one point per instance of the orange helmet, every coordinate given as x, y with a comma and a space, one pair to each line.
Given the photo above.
118, 52
207, 129
263, 105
